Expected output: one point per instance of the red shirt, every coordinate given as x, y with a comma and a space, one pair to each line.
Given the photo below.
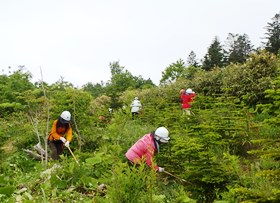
186, 100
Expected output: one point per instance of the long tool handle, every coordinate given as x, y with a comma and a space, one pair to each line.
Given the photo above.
73, 155
175, 176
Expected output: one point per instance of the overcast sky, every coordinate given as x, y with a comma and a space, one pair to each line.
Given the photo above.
77, 39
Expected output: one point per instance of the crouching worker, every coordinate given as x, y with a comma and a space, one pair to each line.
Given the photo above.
60, 128
145, 148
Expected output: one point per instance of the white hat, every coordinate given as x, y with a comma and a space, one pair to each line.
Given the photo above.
189, 91
65, 117
161, 134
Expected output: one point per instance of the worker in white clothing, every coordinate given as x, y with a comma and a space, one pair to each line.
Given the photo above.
135, 107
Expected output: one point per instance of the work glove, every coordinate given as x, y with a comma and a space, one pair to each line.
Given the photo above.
67, 144
160, 169
62, 139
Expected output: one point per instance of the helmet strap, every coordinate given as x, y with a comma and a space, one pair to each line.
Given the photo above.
156, 141
157, 145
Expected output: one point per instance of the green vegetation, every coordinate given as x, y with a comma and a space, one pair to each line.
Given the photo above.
227, 150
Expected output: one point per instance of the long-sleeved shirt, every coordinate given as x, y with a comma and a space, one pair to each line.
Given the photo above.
58, 132
136, 105
143, 151
187, 99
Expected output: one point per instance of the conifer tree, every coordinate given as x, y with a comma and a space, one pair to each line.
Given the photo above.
191, 61
214, 56
273, 35
239, 48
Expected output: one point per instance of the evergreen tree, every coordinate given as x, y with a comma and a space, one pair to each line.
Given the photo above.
273, 35
191, 61
214, 56
239, 48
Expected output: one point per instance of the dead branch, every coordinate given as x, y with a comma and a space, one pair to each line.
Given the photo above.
33, 154
48, 116
40, 150
77, 129
34, 123
35, 126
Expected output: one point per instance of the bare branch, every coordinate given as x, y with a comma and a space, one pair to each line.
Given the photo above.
77, 129
48, 116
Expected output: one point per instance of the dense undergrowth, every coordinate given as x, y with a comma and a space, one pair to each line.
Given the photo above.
227, 150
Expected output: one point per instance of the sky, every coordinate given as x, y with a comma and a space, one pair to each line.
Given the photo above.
77, 39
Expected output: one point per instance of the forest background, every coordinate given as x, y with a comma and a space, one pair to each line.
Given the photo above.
227, 150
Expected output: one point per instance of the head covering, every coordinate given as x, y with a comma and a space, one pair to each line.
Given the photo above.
162, 134
65, 117
189, 91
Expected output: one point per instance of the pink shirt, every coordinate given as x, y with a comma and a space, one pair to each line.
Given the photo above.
143, 151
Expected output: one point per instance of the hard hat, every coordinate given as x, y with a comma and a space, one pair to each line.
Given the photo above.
65, 117
136, 98
161, 134
189, 91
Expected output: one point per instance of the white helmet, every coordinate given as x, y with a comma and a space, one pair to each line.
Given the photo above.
161, 134
65, 117
189, 91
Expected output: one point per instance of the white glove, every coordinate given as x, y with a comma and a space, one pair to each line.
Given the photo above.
62, 139
160, 169
66, 144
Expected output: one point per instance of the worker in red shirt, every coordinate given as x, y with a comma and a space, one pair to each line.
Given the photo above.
187, 98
